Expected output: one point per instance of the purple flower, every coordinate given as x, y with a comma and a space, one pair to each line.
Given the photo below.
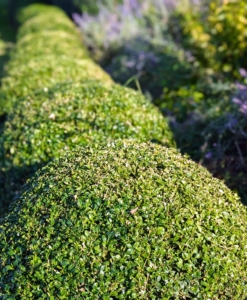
208, 155
135, 5
77, 19
237, 101
243, 108
241, 86
241, 98
170, 4
243, 72
116, 25
130, 63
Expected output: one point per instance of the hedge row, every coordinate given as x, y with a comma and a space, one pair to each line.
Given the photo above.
124, 221
114, 219
61, 100
48, 51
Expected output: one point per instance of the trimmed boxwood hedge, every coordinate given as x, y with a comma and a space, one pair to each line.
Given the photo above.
48, 71
41, 83
38, 9
49, 50
124, 221
43, 126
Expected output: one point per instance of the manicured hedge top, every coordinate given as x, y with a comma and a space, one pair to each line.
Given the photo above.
124, 221
37, 9
48, 71
49, 50
52, 21
47, 42
44, 125
78, 114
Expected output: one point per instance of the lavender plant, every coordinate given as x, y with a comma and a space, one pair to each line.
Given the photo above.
223, 150
114, 25
131, 42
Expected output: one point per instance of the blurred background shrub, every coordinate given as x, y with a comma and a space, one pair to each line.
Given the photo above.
216, 35
115, 24
131, 41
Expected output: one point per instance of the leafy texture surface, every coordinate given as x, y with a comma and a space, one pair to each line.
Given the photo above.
58, 99
45, 125
124, 221
48, 51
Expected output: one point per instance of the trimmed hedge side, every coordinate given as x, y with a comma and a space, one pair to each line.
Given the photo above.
60, 99
124, 221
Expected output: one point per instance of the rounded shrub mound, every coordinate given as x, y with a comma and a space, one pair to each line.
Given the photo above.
46, 72
46, 43
44, 125
55, 55
57, 119
47, 20
37, 9
124, 221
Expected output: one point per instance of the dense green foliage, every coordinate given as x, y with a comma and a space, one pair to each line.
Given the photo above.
125, 221
44, 125
217, 36
59, 99
228, 31
55, 55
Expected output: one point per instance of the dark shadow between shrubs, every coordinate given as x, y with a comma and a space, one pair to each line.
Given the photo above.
12, 183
